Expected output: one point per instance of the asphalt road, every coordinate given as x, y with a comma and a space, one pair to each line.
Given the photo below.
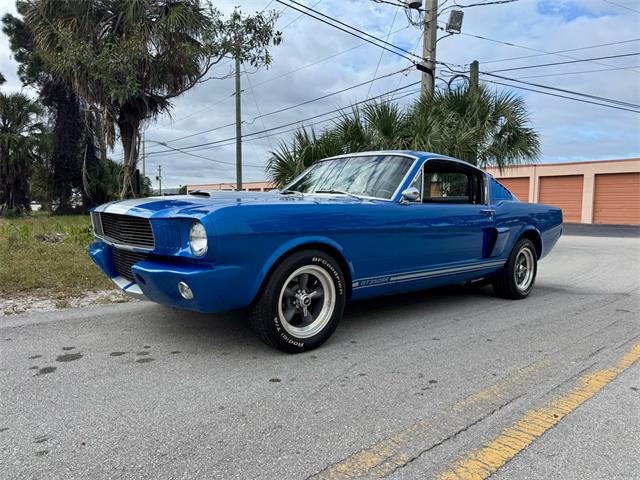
427, 385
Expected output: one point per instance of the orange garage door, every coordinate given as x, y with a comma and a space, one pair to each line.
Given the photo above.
518, 186
617, 198
564, 192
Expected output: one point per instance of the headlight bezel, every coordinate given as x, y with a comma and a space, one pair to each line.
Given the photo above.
198, 239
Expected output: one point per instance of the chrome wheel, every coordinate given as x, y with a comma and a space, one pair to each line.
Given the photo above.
307, 301
524, 269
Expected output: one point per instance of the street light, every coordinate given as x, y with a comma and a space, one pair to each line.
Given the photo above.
416, 5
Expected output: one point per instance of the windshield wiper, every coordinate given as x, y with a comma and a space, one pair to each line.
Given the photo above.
290, 192
339, 192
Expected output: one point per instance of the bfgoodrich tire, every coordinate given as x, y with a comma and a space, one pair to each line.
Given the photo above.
517, 278
302, 302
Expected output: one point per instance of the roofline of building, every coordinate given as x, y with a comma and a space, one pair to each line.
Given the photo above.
586, 162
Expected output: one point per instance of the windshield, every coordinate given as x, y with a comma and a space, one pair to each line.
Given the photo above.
371, 176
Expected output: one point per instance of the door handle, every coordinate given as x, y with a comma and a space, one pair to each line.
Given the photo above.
489, 212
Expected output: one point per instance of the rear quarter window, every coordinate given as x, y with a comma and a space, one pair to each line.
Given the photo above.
499, 192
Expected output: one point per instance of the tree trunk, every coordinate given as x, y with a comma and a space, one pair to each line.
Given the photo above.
128, 134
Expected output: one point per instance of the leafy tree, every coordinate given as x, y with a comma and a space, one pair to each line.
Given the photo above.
19, 135
481, 126
72, 155
132, 58
2, 79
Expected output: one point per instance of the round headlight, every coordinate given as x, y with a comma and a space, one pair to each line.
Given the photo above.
198, 239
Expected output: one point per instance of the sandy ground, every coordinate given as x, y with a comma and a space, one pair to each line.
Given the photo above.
39, 302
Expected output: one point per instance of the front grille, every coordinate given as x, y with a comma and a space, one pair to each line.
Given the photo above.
124, 260
127, 230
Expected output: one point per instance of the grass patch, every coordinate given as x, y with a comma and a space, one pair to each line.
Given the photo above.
47, 256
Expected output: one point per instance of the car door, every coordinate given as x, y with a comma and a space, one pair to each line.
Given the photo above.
451, 224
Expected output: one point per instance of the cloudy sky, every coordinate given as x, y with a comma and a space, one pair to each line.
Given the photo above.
315, 59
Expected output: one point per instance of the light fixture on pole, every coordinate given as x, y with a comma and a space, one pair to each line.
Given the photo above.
415, 5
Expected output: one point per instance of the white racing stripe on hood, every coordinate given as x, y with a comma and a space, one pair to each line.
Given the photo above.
124, 206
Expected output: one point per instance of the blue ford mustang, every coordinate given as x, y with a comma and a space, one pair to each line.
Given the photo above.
348, 228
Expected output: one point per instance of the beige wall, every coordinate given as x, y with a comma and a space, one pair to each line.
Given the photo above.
247, 186
589, 170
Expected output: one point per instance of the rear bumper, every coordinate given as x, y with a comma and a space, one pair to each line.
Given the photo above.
215, 288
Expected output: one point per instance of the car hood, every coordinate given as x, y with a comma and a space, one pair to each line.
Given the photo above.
202, 204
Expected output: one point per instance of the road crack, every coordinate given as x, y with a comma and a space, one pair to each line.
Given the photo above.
455, 434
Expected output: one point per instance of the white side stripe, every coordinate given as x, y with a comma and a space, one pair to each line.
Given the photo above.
423, 274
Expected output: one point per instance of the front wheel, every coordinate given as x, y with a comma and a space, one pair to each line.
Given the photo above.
301, 303
518, 276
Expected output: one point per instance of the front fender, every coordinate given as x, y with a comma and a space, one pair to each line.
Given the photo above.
295, 244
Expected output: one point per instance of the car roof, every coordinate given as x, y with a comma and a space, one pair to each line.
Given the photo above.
418, 155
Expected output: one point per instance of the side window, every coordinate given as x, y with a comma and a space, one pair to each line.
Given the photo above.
444, 184
418, 183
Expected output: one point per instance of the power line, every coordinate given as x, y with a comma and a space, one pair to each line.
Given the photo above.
296, 122
202, 132
284, 109
325, 120
295, 70
203, 158
543, 52
484, 4
621, 6
291, 107
562, 96
562, 90
611, 103
566, 62
362, 32
575, 73
231, 95
393, 22
396, 51
557, 52
273, 79
255, 101
301, 15
265, 82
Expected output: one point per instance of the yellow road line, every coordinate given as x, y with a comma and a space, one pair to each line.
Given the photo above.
484, 462
387, 455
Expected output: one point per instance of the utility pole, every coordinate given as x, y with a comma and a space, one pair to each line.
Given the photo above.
474, 74
429, 47
159, 178
238, 126
143, 154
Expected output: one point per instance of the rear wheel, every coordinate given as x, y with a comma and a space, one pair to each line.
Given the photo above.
302, 302
517, 278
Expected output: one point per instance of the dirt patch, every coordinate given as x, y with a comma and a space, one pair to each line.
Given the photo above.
42, 302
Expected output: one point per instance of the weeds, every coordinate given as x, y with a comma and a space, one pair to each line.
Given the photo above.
48, 255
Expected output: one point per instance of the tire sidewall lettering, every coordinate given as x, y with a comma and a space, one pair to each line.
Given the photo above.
339, 285
283, 334
332, 270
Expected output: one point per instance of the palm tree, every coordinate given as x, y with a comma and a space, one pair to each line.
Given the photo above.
19, 138
290, 160
131, 58
377, 126
481, 126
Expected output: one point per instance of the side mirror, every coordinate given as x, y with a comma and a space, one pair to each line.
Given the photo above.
410, 195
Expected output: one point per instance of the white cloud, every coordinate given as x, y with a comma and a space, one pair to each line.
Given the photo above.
570, 130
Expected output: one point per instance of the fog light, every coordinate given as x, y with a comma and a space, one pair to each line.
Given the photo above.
185, 291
